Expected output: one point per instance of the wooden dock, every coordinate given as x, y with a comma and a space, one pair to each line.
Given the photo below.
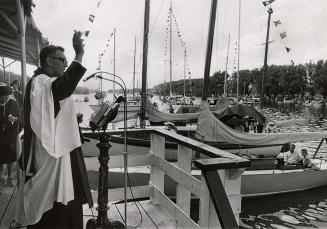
217, 190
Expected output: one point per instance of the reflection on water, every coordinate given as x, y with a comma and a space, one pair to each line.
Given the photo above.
305, 209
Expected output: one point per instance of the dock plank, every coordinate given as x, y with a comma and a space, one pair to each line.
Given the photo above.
7, 206
159, 216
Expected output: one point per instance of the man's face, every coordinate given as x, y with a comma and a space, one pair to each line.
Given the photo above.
58, 63
292, 147
4, 99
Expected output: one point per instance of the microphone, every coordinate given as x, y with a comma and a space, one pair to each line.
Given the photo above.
89, 77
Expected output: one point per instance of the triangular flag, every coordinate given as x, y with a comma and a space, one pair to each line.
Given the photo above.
91, 18
99, 3
288, 49
277, 23
87, 33
292, 62
266, 3
283, 35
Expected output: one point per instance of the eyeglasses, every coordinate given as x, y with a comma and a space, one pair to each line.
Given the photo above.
63, 60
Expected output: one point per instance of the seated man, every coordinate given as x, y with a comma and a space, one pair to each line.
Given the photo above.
292, 157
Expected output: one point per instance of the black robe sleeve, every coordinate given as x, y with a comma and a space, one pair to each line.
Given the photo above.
64, 86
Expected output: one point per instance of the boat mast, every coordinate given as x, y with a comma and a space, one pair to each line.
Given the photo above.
145, 61
134, 68
184, 69
238, 48
209, 49
114, 70
170, 47
225, 82
270, 11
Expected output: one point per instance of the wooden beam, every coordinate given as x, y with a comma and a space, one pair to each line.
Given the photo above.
157, 177
210, 151
221, 163
188, 181
174, 210
183, 196
220, 200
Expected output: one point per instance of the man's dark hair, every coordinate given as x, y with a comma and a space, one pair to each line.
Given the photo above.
48, 51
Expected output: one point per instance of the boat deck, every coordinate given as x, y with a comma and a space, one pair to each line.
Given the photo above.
145, 214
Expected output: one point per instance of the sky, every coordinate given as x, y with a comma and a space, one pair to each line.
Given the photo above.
303, 21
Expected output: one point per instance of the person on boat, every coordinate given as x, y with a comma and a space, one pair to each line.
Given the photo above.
55, 186
271, 127
292, 157
171, 109
307, 160
10, 119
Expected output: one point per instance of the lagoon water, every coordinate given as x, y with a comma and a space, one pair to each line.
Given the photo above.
305, 209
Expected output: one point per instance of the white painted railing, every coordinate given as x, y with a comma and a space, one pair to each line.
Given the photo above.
228, 167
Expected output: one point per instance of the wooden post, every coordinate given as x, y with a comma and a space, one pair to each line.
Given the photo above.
204, 204
270, 11
156, 176
184, 160
145, 61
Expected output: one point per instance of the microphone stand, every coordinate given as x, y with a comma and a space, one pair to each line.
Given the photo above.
104, 145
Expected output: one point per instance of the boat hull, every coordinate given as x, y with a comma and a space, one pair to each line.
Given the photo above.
268, 182
253, 183
136, 145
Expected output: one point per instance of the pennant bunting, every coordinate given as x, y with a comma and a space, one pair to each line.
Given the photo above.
283, 35
91, 18
99, 3
267, 3
278, 22
288, 49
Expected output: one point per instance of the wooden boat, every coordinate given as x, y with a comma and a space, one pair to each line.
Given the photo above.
213, 132
274, 181
255, 181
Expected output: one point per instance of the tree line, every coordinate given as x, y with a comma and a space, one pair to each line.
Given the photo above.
302, 80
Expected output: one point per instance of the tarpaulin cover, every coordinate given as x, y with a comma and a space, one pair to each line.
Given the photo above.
210, 129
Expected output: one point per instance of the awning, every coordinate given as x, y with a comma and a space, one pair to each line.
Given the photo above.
11, 32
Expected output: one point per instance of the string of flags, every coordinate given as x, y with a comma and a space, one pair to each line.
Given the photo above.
91, 19
267, 3
183, 44
282, 33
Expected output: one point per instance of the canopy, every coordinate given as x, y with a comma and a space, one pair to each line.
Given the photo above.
210, 129
12, 15
241, 110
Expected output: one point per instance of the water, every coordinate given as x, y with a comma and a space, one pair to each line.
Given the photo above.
306, 209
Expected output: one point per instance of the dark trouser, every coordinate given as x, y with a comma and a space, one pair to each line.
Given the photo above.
61, 217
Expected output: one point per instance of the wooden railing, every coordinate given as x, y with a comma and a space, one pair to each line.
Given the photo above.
217, 187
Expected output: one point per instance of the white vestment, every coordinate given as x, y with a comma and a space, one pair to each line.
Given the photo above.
52, 141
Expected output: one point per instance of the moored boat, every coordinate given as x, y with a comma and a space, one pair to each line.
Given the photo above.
275, 181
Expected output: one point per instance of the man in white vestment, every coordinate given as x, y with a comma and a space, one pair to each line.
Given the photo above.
56, 185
